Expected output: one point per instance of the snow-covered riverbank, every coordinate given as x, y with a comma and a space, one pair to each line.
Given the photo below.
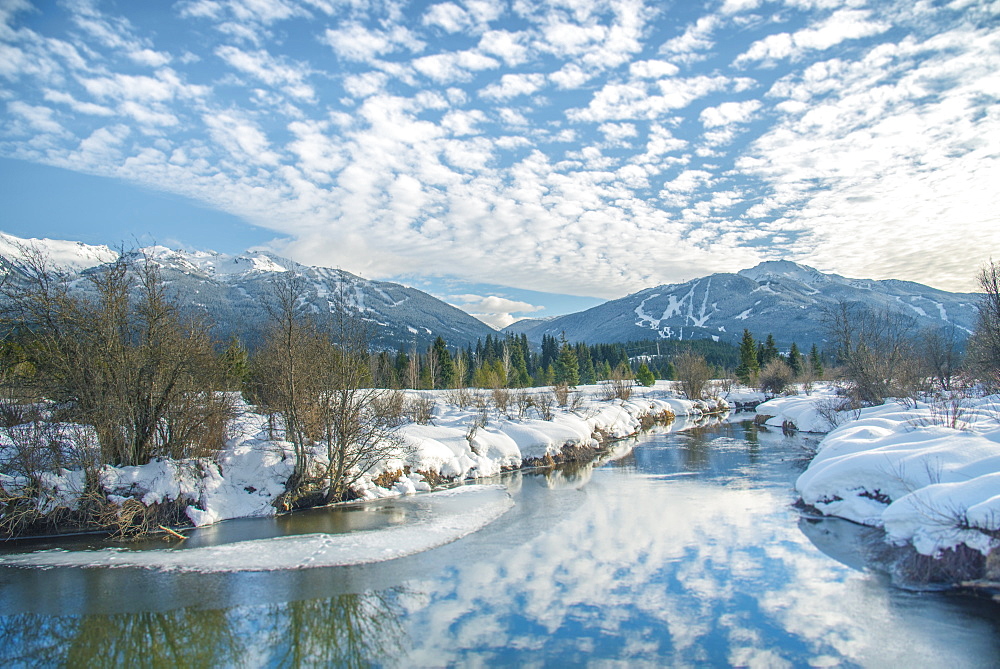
248, 476
928, 474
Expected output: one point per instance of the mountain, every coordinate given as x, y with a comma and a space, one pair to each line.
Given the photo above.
62, 255
777, 297
234, 291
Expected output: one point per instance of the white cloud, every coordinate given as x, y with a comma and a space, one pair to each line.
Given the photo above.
76, 105
453, 67
636, 100
463, 122
475, 17
571, 76
875, 153
652, 69
737, 6
616, 133
319, 153
163, 87
497, 312
365, 84
241, 138
270, 70
150, 58
513, 85
419, 152
696, 37
508, 46
38, 117
354, 42
148, 115
843, 25
447, 16
729, 113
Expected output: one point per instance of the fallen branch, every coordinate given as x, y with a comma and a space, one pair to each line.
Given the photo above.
176, 535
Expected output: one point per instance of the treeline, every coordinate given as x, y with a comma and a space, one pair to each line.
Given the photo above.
509, 361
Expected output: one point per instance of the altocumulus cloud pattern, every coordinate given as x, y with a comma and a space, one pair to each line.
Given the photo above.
589, 147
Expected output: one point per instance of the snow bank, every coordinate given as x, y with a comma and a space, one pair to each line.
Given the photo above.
924, 482
443, 517
802, 411
247, 477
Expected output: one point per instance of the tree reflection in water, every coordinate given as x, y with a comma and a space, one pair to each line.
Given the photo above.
349, 630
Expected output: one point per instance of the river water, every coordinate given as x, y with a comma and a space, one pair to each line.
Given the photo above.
681, 550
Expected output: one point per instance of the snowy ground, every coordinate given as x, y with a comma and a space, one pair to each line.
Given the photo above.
928, 474
246, 478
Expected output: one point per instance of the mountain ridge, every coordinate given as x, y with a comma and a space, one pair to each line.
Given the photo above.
779, 297
233, 289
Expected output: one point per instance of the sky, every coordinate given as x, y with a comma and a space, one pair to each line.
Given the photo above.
517, 159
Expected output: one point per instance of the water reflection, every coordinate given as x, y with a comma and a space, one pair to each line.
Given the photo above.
683, 550
348, 630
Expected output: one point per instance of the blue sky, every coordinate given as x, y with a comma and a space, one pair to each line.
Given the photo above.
515, 158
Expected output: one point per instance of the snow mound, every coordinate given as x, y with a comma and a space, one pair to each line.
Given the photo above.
444, 517
925, 483
802, 411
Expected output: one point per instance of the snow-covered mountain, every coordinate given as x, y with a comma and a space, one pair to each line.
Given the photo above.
777, 297
234, 289
62, 255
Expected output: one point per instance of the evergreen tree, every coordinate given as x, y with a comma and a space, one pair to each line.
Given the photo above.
795, 360
670, 373
426, 378
519, 367
769, 351
567, 367
816, 362
402, 367
550, 350
488, 353
587, 374
749, 367
644, 376
384, 370
445, 366
236, 363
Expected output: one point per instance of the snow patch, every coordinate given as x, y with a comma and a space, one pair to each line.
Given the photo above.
447, 516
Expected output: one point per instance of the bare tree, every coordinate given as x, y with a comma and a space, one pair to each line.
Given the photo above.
361, 430
876, 350
984, 345
281, 369
317, 377
939, 350
123, 359
413, 370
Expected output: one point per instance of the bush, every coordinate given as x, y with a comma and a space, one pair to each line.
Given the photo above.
619, 385
693, 374
775, 377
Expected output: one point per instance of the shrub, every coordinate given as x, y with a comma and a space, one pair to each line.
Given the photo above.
775, 377
693, 374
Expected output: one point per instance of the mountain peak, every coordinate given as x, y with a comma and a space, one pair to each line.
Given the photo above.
785, 269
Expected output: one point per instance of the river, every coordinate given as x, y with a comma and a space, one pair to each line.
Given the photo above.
683, 549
